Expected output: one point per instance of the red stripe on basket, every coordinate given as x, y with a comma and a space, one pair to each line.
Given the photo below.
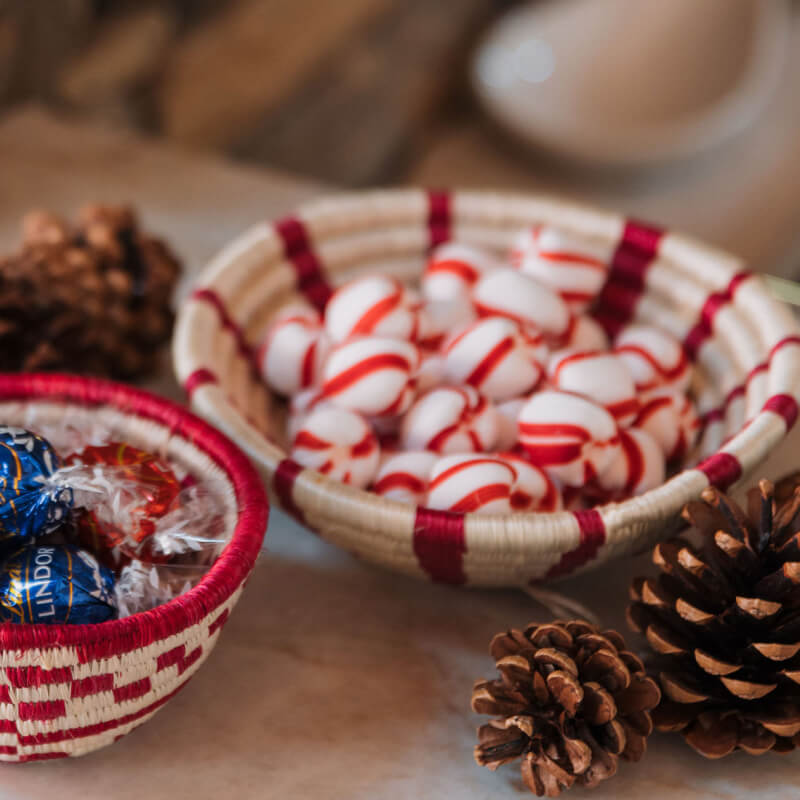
171, 657
8, 750
50, 737
192, 658
5, 693
219, 622
200, 377
439, 217
42, 711
440, 544
283, 483
8, 726
721, 469
22, 677
626, 278
130, 691
785, 405
704, 326
92, 685
592, 536
228, 323
297, 249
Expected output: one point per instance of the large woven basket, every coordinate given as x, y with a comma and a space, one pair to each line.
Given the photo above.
66, 690
745, 344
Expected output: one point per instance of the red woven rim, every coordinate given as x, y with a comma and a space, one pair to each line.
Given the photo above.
228, 571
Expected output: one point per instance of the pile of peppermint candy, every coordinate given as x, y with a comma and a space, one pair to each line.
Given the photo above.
490, 389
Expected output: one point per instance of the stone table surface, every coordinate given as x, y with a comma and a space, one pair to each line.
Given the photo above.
333, 679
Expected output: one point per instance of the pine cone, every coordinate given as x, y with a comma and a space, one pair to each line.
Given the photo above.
570, 701
94, 299
723, 618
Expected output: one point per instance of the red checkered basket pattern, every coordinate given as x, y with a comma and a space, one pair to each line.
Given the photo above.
66, 690
745, 345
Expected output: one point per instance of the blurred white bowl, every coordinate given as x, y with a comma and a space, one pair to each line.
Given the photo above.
625, 83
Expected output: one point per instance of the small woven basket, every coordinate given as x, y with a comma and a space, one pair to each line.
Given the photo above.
66, 690
745, 346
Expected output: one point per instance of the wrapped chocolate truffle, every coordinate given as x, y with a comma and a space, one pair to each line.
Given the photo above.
32, 501
55, 584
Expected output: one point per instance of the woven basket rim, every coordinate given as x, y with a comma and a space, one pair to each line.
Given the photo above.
228, 571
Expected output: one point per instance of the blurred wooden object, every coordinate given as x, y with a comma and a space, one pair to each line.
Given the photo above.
345, 91
362, 112
225, 75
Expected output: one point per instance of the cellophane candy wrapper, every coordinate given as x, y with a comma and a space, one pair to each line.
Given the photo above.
133, 507
144, 586
55, 584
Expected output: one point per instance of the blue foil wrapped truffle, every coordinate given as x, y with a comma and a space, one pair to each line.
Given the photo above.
32, 503
55, 584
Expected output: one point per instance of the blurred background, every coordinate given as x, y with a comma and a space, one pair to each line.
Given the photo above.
683, 112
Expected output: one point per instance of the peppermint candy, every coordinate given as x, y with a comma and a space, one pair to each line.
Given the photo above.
602, 377
654, 359
496, 357
450, 419
404, 476
508, 293
375, 305
637, 467
573, 266
294, 350
571, 438
372, 375
670, 418
532, 489
453, 269
338, 443
470, 483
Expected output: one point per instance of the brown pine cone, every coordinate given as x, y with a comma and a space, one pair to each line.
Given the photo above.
723, 618
570, 701
92, 299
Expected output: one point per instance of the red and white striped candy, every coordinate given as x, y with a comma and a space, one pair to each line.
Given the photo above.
570, 437
452, 269
508, 293
495, 356
574, 266
532, 489
450, 419
431, 370
507, 415
670, 418
372, 375
602, 377
437, 320
584, 333
375, 305
300, 406
404, 476
339, 444
291, 355
654, 359
471, 483
637, 467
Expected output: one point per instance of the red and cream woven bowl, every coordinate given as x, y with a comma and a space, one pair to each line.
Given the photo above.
745, 345
66, 690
